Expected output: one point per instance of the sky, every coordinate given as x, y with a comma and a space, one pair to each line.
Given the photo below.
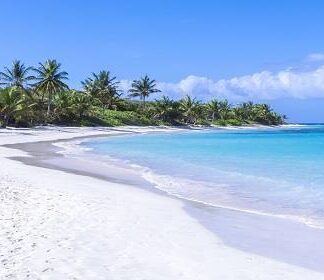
265, 51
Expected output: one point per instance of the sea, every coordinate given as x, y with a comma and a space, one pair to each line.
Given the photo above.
270, 171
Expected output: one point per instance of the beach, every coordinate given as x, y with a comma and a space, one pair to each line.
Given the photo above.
57, 222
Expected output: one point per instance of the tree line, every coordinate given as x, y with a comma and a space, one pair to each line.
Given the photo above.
40, 95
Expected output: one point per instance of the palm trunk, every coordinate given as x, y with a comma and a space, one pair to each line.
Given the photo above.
5, 121
49, 105
48, 108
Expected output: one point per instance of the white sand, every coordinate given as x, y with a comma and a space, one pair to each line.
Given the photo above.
56, 225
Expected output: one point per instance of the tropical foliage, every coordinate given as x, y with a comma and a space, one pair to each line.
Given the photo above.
143, 88
103, 89
191, 110
50, 80
35, 96
166, 110
16, 76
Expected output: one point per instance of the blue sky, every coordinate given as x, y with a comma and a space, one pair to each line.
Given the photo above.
269, 51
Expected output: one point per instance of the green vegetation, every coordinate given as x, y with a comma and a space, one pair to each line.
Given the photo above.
143, 88
34, 96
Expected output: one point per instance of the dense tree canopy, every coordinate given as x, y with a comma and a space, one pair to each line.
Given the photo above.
39, 95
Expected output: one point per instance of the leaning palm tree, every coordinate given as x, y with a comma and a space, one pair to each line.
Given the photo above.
50, 80
143, 88
16, 76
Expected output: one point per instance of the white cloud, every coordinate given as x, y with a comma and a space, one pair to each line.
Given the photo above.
268, 85
287, 83
313, 57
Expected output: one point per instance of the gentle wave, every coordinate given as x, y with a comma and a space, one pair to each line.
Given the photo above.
167, 184
246, 189
72, 147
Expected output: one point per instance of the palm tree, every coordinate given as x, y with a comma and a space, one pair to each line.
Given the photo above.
50, 80
262, 113
191, 109
16, 76
224, 109
103, 88
11, 102
166, 109
81, 103
246, 110
213, 106
143, 88
68, 104
62, 104
239, 113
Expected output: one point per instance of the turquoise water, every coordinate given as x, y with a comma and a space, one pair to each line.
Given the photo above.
275, 171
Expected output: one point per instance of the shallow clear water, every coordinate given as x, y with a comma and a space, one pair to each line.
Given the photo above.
275, 171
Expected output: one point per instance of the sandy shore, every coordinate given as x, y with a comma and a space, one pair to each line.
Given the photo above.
59, 225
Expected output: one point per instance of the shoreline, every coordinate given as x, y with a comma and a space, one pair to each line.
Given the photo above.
53, 155
199, 210
227, 225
